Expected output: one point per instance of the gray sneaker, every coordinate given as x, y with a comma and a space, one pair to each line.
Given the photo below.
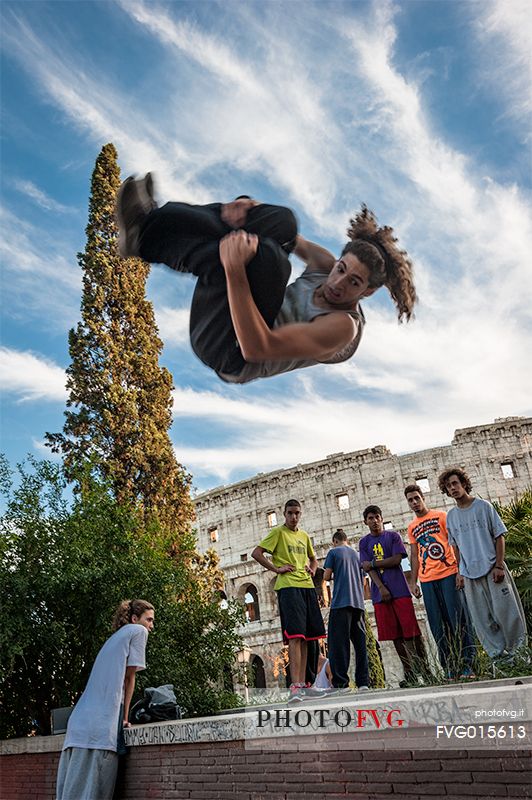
133, 204
347, 692
311, 691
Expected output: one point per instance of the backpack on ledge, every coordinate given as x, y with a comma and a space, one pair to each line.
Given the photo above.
156, 705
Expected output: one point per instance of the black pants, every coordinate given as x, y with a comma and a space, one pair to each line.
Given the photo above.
347, 625
186, 238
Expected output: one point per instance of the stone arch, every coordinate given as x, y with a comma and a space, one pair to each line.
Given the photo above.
248, 594
258, 674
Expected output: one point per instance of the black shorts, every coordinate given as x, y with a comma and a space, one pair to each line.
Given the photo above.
300, 614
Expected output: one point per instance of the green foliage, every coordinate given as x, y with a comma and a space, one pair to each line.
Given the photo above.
376, 671
119, 404
517, 516
65, 567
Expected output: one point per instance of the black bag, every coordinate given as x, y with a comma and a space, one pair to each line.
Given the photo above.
156, 705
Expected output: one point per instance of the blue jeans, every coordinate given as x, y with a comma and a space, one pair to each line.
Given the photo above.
449, 622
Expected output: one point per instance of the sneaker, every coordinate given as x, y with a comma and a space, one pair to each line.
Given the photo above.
297, 693
312, 691
467, 674
363, 688
340, 692
133, 203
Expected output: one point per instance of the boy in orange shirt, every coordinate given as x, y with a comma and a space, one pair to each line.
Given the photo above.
433, 560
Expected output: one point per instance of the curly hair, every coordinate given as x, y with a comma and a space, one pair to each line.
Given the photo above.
462, 476
388, 265
126, 610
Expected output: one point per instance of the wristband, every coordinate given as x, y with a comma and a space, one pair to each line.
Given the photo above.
373, 564
498, 567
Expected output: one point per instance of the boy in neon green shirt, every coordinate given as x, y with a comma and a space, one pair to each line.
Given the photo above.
294, 562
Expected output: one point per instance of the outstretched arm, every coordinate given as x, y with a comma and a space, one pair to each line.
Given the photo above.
317, 258
319, 339
129, 688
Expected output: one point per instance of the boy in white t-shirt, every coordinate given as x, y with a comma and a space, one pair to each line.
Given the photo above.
476, 533
89, 762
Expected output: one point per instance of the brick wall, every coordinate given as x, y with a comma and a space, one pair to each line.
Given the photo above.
29, 776
228, 771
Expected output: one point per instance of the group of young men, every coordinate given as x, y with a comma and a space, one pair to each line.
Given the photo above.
457, 558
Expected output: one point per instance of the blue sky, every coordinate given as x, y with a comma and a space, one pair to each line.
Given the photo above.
420, 109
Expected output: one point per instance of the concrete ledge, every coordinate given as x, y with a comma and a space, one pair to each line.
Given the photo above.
227, 758
32, 744
421, 709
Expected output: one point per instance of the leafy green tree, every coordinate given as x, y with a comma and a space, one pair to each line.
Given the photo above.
119, 404
64, 567
517, 516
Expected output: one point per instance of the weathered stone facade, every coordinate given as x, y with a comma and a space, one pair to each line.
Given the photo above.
333, 492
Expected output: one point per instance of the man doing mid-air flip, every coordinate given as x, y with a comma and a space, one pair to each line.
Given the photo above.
246, 322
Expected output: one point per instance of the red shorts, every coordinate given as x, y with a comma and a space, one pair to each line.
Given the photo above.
396, 620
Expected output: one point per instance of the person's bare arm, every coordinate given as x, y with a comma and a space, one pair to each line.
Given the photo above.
386, 595
373, 567
258, 555
414, 562
327, 574
312, 565
129, 688
317, 258
319, 339
383, 563
459, 581
498, 569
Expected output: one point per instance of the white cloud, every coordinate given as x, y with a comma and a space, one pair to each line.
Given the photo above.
470, 237
266, 435
173, 325
41, 280
38, 196
504, 30
31, 377
270, 118
93, 105
317, 109
214, 406
45, 451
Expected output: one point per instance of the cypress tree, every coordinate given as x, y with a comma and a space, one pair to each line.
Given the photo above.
119, 398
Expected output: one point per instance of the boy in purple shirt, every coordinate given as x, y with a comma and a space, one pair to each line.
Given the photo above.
381, 553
